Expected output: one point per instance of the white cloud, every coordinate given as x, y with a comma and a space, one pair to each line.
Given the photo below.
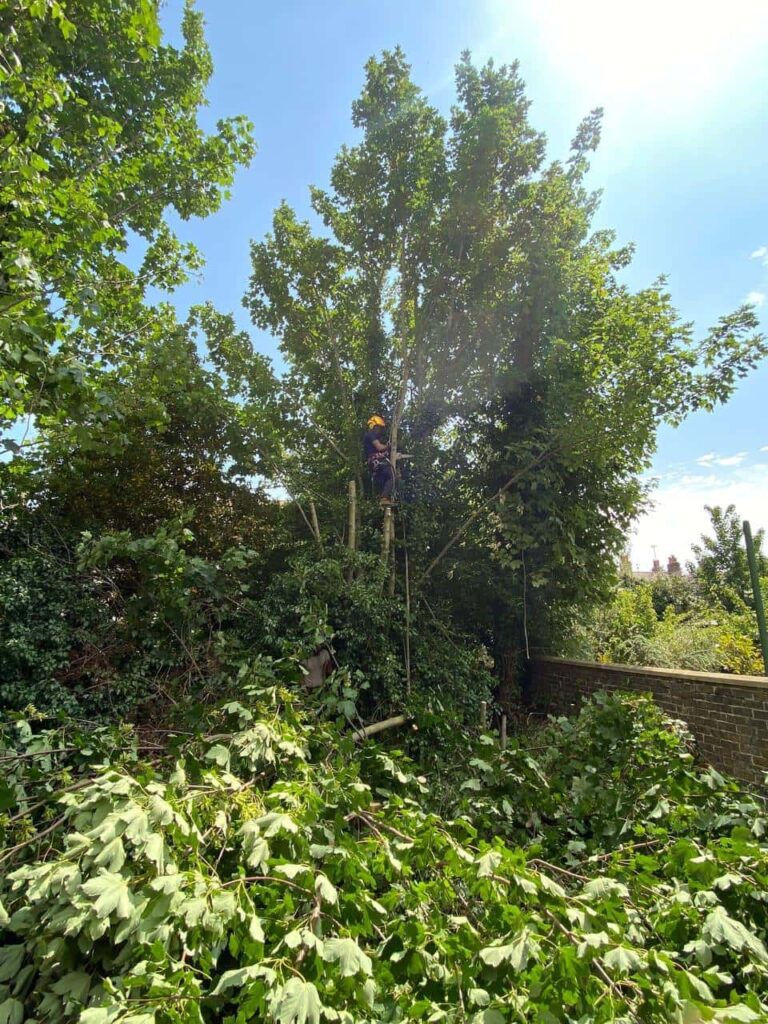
678, 518
764, 448
731, 460
755, 298
713, 459
760, 254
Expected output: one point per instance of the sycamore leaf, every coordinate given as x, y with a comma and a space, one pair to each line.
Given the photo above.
478, 997
291, 870
112, 857
700, 987
326, 890
622, 960
160, 810
721, 928
489, 1016
739, 1012
517, 953
275, 822
239, 977
11, 959
219, 754
154, 850
602, 888
487, 864
111, 893
98, 1014
593, 940
351, 959
75, 985
296, 1002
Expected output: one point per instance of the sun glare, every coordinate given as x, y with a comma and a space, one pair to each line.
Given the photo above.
638, 57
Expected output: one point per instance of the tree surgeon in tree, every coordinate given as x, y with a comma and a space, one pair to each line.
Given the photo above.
377, 455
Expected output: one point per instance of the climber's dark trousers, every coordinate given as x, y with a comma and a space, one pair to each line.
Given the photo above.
383, 480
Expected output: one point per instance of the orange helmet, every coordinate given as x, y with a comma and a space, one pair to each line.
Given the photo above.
376, 421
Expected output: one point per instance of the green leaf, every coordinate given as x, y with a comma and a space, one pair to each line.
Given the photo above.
489, 1016
11, 959
488, 863
517, 953
348, 955
720, 928
603, 888
739, 1012
111, 894
112, 856
622, 960
239, 977
11, 1011
219, 754
296, 1002
291, 870
98, 1015
274, 823
325, 890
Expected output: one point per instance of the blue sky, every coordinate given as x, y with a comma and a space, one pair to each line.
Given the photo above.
683, 164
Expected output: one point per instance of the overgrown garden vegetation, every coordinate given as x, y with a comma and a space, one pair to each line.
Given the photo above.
233, 853
703, 620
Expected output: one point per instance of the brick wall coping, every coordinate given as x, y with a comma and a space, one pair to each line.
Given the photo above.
684, 675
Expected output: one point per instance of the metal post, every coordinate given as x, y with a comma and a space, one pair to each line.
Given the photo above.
759, 609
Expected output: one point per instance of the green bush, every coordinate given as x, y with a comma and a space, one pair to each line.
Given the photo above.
271, 869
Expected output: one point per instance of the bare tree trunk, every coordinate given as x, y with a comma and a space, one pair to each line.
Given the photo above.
352, 520
386, 534
315, 524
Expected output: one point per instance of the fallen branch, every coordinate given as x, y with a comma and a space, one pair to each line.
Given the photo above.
387, 723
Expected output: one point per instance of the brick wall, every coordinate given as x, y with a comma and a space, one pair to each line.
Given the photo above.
727, 714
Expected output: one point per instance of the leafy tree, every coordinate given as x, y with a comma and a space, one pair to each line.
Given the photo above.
177, 444
720, 561
100, 139
461, 288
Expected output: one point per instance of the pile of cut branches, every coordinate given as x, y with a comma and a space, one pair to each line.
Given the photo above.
275, 870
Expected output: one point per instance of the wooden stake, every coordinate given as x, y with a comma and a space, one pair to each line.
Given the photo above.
352, 521
503, 733
483, 715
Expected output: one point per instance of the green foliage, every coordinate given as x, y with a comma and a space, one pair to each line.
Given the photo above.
703, 622
720, 561
274, 870
703, 638
461, 288
100, 138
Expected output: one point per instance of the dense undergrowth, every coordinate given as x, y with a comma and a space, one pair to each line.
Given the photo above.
262, 865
